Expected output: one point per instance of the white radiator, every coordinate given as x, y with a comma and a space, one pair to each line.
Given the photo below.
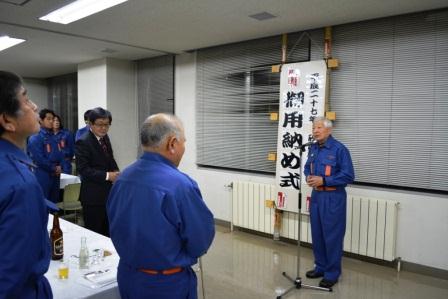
371, 223
248, 208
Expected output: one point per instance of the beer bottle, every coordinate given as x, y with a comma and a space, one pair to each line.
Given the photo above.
57, 242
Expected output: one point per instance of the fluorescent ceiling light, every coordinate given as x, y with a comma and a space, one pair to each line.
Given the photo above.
7, 42
78, 10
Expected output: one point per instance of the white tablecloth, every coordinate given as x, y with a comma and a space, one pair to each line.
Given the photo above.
67, 179
76, 286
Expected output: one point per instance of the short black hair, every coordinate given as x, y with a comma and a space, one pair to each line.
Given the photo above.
99, 112
10, 85
86, 114
43, 113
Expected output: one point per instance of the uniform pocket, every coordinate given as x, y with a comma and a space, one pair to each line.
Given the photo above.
329, 166
337, 204
329, 162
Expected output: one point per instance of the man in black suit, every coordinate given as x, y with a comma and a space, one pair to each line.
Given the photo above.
96, 165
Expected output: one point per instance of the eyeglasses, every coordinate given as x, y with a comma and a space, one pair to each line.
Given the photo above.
103, 126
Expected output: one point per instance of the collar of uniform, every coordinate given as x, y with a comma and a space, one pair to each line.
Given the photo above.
14, 151
44, 131
150, 156
329, 142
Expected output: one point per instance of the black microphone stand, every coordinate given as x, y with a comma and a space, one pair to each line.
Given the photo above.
297, 283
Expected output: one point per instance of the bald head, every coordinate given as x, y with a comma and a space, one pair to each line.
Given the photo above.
164, 134
156, 128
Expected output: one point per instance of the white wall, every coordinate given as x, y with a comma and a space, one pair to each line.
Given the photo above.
423, 218
37, 92
92, 87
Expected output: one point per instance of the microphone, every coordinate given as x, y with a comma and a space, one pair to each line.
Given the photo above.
302, 148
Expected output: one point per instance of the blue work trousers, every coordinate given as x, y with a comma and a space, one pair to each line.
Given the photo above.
134, 284
328, 221
39, 289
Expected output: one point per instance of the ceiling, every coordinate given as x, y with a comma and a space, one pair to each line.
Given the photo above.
147, 28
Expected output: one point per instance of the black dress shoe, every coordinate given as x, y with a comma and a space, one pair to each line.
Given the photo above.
324, 283
314, 274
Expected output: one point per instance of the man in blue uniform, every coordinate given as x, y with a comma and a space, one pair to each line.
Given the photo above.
328, 170
158, 212
84, 129
24, 246
65, 141
46, 153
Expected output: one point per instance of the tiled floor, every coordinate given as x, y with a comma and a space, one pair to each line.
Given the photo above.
240, 265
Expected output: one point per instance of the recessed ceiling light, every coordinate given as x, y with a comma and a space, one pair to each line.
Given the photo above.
262, 16
78, 10
7, 42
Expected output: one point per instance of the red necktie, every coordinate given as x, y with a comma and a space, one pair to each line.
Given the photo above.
103, 145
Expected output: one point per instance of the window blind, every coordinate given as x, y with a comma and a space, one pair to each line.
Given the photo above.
390, 95
155, 86
236, 92
63, 99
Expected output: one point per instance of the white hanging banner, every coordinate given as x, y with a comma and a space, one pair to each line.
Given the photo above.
302, 98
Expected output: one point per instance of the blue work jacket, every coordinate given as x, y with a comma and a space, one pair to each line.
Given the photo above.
66, 142
25, 245
331, 161
45, 151
81, 132
158, 212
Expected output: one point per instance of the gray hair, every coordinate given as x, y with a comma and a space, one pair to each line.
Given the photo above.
156, 128
327, 123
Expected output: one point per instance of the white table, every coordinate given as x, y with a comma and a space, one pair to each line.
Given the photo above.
67, 179
76, 286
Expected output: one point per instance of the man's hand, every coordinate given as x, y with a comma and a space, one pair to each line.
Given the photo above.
314, 181
57, 170
113, 175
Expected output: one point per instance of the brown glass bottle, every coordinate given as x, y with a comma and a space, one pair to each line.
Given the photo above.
57, 241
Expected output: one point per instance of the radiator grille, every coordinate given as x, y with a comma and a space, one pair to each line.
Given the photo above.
371, 223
